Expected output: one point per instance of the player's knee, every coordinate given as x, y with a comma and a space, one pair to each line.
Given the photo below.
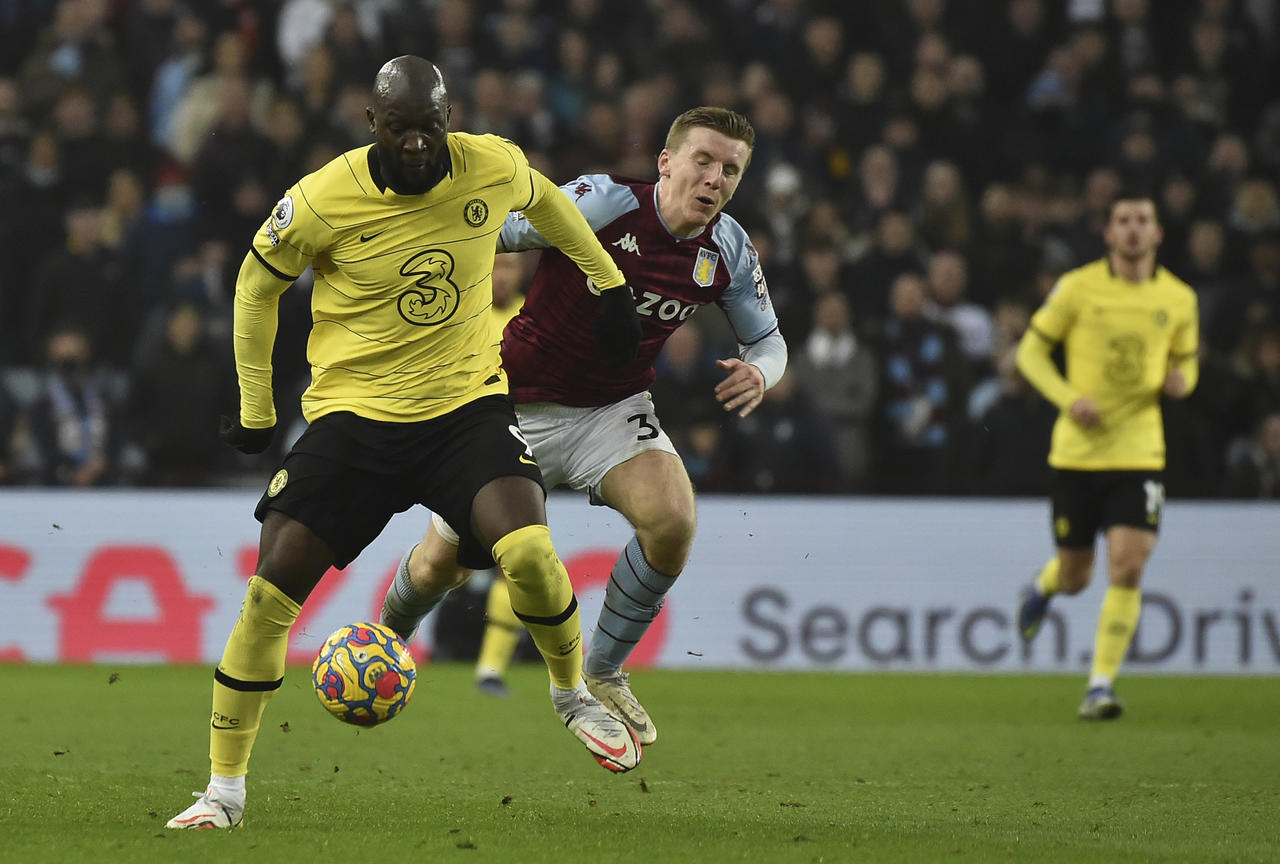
1074, 578
672, 531
526, 553
433, 577
1126, 572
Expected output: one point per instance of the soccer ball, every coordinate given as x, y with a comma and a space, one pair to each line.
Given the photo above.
364, 674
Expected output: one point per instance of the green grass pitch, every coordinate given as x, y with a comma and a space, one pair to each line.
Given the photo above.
756, 767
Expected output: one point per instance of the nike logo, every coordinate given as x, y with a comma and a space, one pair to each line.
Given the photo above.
634, 723
612, 751
216, 726
526, 460
365, 238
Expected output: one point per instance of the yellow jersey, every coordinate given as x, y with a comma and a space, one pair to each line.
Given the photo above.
402, 327
1119, 338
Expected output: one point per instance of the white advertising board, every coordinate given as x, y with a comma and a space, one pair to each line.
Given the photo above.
773, 583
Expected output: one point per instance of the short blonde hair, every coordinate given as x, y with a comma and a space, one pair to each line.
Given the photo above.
722, 120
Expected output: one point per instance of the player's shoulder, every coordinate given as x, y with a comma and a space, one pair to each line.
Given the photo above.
485, 149
604, 198
609, 186
1170, 282
334, 184
733, 240
1092, 273
1093, 276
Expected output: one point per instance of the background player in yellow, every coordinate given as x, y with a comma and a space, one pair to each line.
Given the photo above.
407, 403
1129, 330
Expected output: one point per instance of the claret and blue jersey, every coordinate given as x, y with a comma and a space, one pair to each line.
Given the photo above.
549, 350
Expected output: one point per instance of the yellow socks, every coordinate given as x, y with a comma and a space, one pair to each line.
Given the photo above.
1047, 582
251, 670
1116, 623
501, 632
542, 598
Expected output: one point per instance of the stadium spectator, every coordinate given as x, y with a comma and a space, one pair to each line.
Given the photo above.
74, 424
8, 428
894, 251
920, 420
82, 284
686, 376
75, 48
784, 447
947, 277
1253, 468
838, 371
179, 386
230, 87
1011, 435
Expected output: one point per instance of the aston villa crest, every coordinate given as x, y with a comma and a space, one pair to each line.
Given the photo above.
704, 269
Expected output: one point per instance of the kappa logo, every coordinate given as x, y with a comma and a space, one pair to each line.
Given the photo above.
627, 243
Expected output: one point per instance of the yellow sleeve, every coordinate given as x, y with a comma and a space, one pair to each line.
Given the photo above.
254, 324
564, 226
1049, 325
1185, 351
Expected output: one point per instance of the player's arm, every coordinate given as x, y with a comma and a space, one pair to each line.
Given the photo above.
1049, 325
563, 225
599, 198
762, 352
1184, 358
255, 320
281, 250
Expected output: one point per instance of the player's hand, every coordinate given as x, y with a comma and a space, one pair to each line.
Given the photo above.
742, 389
247, 441
1175, 383
618, 330
1085, 412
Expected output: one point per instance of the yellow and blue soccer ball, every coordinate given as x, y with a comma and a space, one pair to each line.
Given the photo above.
364, 674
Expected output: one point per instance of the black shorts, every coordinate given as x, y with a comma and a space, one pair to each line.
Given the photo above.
1086, 502
347, 476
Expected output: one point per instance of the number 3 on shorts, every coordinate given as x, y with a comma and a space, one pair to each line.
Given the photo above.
647, 431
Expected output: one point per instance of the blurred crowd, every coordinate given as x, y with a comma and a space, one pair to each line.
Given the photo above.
924, 170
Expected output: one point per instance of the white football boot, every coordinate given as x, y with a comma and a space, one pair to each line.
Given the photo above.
210, 811
615, 692
609, 739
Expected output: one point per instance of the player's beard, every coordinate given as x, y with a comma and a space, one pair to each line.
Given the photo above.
404, 183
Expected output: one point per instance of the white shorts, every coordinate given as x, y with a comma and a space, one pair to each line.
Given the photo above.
576, 447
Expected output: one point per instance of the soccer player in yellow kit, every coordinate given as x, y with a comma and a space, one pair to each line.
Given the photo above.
1130, 331
408, 403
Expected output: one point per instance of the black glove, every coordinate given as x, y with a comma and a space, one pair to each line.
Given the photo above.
248, 441
618, 329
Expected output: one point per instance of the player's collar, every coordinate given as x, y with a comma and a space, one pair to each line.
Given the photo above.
1111, 270
375, 167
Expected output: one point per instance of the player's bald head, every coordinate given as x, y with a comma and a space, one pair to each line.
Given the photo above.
409, 78
409, 119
